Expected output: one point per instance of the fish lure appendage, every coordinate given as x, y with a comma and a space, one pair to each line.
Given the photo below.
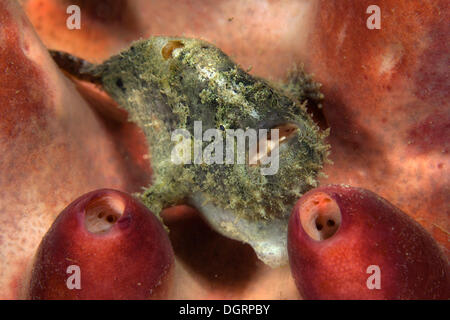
169, 83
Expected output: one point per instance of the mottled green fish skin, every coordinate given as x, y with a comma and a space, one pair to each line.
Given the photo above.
198, 82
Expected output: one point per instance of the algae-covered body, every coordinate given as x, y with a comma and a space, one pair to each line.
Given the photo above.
168, 83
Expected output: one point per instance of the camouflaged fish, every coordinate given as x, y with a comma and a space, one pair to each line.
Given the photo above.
169, 83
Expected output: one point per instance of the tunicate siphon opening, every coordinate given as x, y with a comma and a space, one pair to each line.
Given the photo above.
320, 216
102, 213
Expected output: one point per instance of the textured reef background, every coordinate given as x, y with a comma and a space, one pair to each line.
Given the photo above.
386, 104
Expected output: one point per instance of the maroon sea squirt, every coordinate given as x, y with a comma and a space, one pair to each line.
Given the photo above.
349, 243
104, 245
